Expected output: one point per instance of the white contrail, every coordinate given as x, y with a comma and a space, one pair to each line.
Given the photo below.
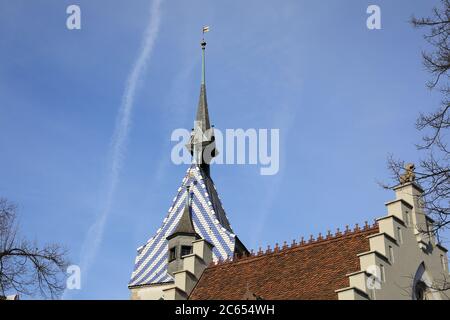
95, 233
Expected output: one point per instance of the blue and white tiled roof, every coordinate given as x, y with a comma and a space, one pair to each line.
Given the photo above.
209, 220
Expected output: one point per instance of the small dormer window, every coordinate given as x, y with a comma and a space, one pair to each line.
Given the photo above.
173, 254
185, 250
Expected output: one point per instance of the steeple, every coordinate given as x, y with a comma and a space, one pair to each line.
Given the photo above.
202, 110
202, 144
161, 259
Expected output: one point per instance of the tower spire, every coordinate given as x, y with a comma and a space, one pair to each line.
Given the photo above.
202, 142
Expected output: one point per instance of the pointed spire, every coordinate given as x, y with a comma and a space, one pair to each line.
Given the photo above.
202, 118
202, 142
185, 225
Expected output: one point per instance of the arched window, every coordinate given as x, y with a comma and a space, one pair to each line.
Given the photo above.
421, 290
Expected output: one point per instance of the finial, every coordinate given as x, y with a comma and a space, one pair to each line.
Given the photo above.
366, 225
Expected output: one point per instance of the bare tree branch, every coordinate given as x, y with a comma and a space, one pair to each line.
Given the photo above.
433, 171
24, 267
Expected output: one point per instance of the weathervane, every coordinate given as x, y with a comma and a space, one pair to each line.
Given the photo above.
204, 30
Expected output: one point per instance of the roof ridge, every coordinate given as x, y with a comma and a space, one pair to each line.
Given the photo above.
338, 235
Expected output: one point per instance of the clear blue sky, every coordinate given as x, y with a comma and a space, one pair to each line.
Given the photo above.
343, 97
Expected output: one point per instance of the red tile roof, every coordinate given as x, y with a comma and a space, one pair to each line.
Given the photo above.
312, 270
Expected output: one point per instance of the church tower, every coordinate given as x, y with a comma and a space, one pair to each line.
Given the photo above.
195, 223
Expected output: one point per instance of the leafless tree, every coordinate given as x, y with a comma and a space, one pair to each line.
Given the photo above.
433, 171
26, 268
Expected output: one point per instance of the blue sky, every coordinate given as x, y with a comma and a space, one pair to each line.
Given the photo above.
344, 98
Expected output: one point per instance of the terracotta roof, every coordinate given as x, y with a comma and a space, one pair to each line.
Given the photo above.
304, 271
